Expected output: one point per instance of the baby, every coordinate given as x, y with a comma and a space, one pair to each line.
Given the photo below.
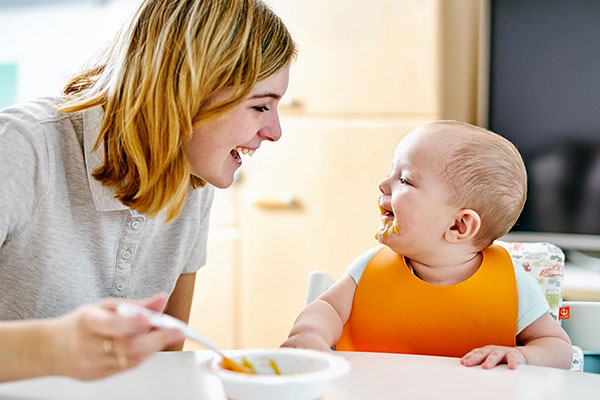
437, 285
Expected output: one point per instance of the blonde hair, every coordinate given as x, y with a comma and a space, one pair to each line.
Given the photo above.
485, 173
155, 83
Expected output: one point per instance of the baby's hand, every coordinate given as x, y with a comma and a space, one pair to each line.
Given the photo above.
490, 356
306, 341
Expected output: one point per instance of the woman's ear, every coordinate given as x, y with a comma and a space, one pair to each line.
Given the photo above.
466, 225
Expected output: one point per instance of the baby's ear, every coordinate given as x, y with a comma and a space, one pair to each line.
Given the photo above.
466, 225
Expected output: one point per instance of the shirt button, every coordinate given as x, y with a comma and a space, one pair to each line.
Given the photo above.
126, 255
135, 225
120, 286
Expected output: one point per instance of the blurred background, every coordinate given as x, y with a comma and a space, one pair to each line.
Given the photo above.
366, 74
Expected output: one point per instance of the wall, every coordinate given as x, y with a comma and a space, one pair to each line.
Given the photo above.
50, 43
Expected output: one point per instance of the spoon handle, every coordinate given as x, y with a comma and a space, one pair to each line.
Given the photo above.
160, 320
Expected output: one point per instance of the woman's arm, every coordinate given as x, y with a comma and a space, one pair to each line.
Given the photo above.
25, 347
319, 326
180, 303
89, 343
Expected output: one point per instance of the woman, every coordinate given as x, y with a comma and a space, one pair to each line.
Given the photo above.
104, 190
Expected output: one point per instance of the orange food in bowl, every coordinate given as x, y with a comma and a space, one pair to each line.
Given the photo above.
246, 366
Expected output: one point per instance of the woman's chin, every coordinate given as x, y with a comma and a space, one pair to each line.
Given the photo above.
222, 182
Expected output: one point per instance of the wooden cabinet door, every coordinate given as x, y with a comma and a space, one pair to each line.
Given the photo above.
307, 202
364, 57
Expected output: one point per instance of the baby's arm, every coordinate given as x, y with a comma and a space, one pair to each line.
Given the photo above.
543, 342
319, 325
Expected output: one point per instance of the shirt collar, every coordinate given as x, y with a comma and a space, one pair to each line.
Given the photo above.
103, 196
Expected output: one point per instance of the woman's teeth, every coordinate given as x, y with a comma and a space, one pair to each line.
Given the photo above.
244, 150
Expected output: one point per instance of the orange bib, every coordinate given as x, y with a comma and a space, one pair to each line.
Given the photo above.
396, 312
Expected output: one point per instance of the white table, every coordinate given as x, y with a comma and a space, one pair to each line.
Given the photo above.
399, 376
373, 376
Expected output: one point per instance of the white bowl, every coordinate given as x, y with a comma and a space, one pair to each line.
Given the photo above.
304, 374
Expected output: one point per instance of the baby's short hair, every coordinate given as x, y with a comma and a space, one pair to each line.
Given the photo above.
485, 173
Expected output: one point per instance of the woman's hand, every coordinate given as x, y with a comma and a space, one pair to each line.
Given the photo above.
306, 341
94, 341
490, 356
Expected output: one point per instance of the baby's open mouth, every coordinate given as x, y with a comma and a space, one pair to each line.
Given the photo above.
385, 212
387, 224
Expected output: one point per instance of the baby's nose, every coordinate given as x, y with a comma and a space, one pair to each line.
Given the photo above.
383, 187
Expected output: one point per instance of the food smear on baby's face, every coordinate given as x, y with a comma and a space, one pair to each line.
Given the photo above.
387, 225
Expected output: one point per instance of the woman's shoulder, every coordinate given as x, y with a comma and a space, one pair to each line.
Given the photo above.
25, 157
33, 112
31, 121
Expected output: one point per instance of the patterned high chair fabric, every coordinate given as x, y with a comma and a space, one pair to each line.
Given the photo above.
545, 262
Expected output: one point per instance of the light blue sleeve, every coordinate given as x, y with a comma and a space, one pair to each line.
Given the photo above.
532, 302
357, 267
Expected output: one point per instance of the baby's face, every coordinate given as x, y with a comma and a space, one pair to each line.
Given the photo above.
412, 199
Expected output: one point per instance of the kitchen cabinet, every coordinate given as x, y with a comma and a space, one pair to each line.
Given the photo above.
403, 58
356, 57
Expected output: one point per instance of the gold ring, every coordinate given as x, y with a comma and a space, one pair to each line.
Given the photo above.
107, 346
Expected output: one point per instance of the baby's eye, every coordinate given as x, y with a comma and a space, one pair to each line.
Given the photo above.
403, 181
261, 108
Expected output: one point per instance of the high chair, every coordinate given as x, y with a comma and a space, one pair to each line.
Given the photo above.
545, 262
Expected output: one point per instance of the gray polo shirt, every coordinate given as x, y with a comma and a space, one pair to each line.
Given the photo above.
64, 239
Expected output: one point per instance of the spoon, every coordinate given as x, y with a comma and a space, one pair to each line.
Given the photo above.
161, 320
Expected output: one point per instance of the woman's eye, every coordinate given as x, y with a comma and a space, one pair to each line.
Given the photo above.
261, 108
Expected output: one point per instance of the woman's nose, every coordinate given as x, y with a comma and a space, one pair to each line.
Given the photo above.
271, 131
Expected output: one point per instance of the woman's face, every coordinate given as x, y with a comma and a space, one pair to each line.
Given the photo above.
215, 149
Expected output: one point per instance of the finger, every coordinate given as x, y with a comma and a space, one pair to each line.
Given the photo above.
512, 359
106, 323
476, 357
102, 358
139, 347
118, 360
116, 363
493, 359
155, 303
467, 356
